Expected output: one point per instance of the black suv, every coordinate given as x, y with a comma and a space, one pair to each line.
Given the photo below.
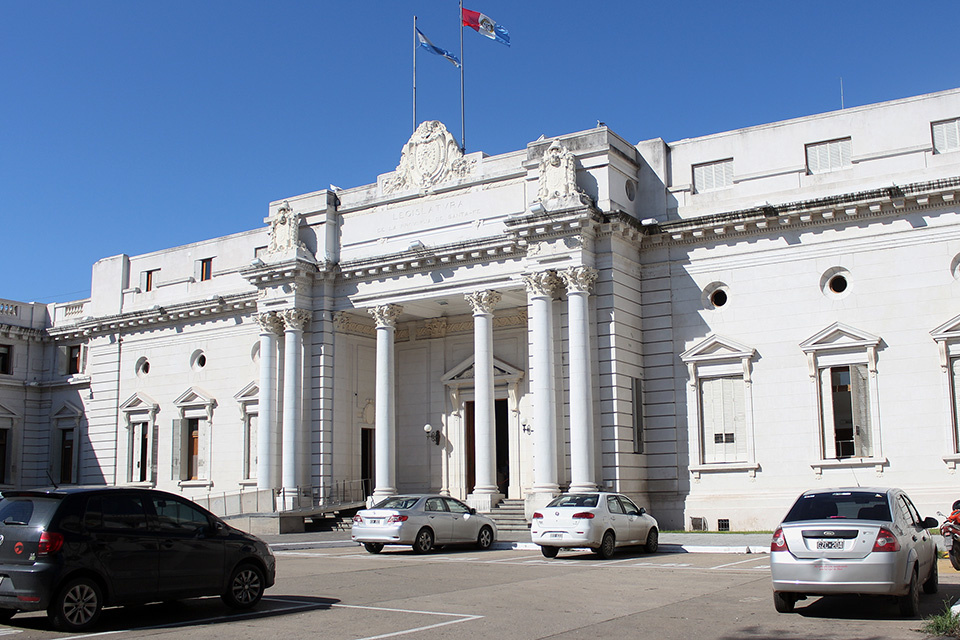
72, 551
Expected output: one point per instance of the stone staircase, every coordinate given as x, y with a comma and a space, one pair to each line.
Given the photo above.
511, 525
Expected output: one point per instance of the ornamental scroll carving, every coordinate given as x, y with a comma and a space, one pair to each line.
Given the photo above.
431, 157
386, 315
295, 319
285, 230
482, 301
542, 283
557, 187
269, 322
579, 279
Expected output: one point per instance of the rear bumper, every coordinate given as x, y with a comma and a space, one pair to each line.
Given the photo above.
874, 575
398, 534
566, 539
27, 587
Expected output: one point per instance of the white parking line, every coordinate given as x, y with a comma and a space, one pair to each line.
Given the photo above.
462, 617
730, 564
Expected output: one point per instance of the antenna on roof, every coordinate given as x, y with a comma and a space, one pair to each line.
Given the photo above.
841, 92
51, 479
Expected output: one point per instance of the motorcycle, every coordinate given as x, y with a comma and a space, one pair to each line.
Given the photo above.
950, 530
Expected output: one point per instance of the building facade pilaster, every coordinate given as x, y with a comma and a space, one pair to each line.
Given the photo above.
294, 321
579, 281
385, 411
485, 494
268, 443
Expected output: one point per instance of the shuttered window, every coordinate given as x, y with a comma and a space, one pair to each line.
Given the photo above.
955, 381
832, 155
723, 419
713, 175
845, 397
946, 135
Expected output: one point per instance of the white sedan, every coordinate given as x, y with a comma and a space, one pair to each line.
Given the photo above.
601, 521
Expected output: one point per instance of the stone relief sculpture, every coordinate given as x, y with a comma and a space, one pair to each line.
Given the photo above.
558, 179
285, 231
430, 157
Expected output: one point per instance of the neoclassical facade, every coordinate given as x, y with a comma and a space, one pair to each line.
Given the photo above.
710, 325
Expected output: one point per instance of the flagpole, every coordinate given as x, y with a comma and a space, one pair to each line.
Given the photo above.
463, 140
415, 43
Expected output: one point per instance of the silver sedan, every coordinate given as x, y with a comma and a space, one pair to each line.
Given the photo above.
423, 521
856, 541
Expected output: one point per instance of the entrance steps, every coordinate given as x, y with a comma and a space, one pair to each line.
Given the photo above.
511, 523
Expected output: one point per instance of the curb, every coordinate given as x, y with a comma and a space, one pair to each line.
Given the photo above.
664, 548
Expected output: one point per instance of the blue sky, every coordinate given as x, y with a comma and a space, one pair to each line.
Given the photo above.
129, 126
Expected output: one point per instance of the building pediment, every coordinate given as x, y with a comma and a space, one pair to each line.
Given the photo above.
839, 336
195, 400
717, 347
462, 375
139, 402
949, 330
8, 413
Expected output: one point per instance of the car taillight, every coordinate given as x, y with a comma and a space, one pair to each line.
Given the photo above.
779, 542
588, 515
50, 543
886, 541
393, 519
358, 519
537, 515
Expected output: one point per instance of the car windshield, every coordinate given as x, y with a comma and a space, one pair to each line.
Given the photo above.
27, 511
575, 500
401, 502
853, 505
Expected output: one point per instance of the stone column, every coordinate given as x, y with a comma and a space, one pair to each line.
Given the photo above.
293, 321
485, 494
579, 280
268, 444
386, 471
540, 290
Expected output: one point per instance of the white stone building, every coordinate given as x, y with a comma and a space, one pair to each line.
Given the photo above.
711, 326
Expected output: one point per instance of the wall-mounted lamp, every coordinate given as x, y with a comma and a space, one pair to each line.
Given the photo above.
432, 436
525, 427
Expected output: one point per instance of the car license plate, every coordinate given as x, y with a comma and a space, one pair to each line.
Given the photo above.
375, 521
830, 544
556, 536
947, 542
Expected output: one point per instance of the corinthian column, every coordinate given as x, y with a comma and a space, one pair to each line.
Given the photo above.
540, 290
294, 321
386, 472
268, 444
579, 280
485, 493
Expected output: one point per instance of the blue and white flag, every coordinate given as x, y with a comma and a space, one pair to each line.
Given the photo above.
434, 49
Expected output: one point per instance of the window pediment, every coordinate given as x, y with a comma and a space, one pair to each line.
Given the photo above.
248, 398
839, 336
139, 403
716, 348
462, 375
194, 399
8, 413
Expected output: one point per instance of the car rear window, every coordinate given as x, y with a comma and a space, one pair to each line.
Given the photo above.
397, 503
588, 500
851, 505
27, 511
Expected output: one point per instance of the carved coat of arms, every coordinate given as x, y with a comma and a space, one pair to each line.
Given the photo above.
431, 157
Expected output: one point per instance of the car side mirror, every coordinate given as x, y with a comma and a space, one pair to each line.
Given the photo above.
930, 523
642, 511
473, 511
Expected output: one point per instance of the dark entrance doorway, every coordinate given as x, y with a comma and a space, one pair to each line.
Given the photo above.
367, 459
502, 454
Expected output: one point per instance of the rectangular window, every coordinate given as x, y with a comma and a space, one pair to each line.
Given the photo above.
6, 359
946, 135
823, 157
66, 456
193, 449
250, 447
845, 407
955, 382
150, 279
73, 360
4, 455
140, 467
637, 415
206, 269
712, 176
723, 419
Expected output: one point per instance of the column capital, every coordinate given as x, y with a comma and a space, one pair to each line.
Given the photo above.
542, 283
579, 279
482, 301
269, 322
386, 315
294, 319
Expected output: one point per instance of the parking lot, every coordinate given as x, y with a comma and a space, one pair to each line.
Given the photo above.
338, 591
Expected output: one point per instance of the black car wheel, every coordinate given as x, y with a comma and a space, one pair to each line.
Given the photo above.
932, 583
955, 555
423, 543
77, 605
549, 552
373, 547
245, 588
653, 541
910, 603
607, 546
784, 602
485, 538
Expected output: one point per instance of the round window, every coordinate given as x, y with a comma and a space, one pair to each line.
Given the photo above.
715, 296
142, 367
198, 360
835, 283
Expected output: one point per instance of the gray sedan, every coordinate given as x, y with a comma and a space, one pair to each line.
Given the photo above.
423, 521
853, 541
